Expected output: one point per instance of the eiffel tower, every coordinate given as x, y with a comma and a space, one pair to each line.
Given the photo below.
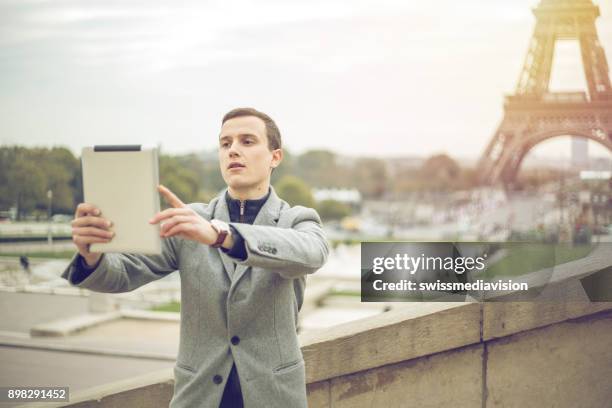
534, 114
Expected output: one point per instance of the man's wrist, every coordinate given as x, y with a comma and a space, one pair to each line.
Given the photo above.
238, 248
228, 243
223, 234
90, 264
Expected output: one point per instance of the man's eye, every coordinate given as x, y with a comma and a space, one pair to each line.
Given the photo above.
225, 144
248, 141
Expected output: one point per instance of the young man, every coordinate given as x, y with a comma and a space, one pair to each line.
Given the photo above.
242, 258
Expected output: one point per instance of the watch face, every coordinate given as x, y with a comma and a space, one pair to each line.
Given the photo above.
220, 225
222, 229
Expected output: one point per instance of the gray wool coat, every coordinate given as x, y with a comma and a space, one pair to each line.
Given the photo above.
233, 311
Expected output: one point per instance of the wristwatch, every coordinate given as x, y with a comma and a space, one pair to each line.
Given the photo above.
222, 229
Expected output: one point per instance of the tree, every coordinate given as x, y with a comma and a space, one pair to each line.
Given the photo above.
26, 187
286, 167
318, 168
181, 180
23, 181
371, 177
294, 191
61, 169
333, 210
440, 172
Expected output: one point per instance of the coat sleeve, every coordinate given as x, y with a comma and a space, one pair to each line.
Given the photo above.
291, 252
118, 272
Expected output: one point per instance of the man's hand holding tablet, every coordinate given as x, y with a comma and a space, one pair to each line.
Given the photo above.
89, 227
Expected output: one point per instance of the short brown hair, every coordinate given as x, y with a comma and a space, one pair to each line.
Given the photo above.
272, 132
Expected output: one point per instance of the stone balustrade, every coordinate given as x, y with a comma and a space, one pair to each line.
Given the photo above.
438, 354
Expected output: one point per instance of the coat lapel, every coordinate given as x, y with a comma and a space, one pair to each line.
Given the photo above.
268, 215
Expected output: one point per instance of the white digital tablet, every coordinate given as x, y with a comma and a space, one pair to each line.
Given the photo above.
122, 180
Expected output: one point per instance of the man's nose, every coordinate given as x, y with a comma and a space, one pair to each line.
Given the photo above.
233, 151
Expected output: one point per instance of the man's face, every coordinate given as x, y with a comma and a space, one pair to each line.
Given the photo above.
244, 156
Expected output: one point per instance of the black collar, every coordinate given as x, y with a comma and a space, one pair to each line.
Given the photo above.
250, 208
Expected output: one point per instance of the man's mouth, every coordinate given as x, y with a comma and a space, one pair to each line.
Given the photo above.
235, 165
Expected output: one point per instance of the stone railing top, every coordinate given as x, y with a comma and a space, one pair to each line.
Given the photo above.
426, 329
391, 337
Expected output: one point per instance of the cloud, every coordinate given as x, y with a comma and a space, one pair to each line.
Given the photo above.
162, 35
78, 72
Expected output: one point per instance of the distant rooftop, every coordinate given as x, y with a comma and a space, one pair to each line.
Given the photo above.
344, 195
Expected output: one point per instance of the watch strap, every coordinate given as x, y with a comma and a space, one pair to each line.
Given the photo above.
221, 235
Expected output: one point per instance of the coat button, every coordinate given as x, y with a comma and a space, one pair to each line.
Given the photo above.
235, 340
217, 379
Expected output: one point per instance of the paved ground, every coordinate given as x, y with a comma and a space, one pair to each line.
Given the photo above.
20, 311
126, 335
92, 357
31, 367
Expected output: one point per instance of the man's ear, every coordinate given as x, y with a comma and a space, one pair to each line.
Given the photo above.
277, 158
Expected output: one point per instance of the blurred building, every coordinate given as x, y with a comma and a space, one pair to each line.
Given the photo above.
348, 196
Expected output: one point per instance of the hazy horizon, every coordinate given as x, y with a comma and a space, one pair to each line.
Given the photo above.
362, 79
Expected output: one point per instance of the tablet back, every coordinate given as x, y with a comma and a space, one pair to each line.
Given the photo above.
122, 182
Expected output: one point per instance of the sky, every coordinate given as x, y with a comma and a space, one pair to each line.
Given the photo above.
377, 78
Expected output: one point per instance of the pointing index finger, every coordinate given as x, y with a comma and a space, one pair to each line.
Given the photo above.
170, 197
